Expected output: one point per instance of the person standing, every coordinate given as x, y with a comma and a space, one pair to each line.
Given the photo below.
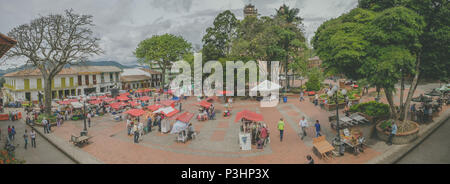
393, 133
25, 138
33, 138
180, 106
9, 132
89, 119
317, 125
44, 123
303, 125
301, 96
281, 128
129, 126
13, 133
136, 134
149, 124
263, 135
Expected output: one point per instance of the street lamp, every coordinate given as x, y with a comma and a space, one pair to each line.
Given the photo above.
84, 132
334, 93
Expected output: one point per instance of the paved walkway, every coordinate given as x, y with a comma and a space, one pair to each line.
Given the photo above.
44, 153
433, 150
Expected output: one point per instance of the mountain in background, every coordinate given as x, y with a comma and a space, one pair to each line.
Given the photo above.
88, 63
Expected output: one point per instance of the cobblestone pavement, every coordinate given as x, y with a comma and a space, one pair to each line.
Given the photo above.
217, 140
44, 153
435, 149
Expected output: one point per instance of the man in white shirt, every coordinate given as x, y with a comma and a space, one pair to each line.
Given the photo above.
303, 125
44, 123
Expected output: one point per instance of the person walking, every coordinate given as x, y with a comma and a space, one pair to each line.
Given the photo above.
25, 138
393, 133
44, 123
180, 106
13, 133
9, 132
317, 125
136, 134
129, 126
33, 138
263, 135
303, 126
281, 128
301, 96
149, 124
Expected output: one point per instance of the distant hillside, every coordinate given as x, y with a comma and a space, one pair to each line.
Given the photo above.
88, 63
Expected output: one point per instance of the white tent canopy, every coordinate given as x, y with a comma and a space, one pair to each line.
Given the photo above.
266, 86
165, 110
76, 105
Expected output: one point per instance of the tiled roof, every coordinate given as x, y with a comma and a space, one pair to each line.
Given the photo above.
37, 72
134, 78
74, 70
150, 71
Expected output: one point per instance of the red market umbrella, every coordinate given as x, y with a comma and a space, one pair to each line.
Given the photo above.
147, 90
108, 100
134, 103
102, 97
139, 91
65, 102
154, 107
135, 112
93, 98
145, 98
117, 105
122, 98
224, 92
204, 103
95, 102
185, 117
168, 103
249, 115
124, 94
72, 100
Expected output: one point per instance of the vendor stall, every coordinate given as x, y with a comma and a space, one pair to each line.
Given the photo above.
248, 129
167, 112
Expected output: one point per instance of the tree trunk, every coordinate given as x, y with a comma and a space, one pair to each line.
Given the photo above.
402, 91
411, 91
390, 100
48, 95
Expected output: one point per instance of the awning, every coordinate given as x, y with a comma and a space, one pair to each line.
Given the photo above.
249, 115
184, 117
224, 92
122, 98
154, 107
204, 104
167, 111
168, 102
145, 98
108, 100
65, 102
95, 102
124, 94
117, 105
134, 103
135, 112
76, 105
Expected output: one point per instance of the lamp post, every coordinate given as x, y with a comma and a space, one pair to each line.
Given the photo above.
334, 93
84, 132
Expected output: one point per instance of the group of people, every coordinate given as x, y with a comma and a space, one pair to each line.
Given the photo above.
207, 113
259, 132
26, 136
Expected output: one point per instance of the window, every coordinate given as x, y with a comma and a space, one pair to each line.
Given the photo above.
39, 83
111, 77
63, 82
94, 79
117, 76
80, 81
86, 80
71, 82
103, 77
26, 84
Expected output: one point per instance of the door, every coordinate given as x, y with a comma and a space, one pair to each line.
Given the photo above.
39, 83
63, 82
28, 96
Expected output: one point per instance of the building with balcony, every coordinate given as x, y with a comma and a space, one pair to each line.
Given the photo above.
28, 85
135, 78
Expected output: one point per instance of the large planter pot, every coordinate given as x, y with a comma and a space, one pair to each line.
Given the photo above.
330, 107
400, 138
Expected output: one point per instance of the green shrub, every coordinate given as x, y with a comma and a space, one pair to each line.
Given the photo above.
385, 124
372, 108
51, 118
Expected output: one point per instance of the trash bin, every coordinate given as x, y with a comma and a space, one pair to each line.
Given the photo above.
284, 99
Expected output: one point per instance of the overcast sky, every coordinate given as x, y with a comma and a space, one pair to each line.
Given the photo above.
122, 24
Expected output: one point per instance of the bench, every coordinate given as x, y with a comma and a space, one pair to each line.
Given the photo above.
79, 140
322, 146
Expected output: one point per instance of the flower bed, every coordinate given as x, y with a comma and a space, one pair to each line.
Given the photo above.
7, 159
401, 137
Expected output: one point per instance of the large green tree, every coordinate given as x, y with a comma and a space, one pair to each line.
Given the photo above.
382, 47
218, 39
163, 50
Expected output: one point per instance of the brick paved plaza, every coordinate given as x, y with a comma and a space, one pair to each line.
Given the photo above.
217, 141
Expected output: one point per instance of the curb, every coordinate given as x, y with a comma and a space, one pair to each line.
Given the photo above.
65, 151
396, 154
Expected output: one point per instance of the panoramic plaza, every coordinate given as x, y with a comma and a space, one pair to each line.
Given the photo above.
258, 85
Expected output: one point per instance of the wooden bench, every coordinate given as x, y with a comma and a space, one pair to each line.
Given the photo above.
79, 140
321, 145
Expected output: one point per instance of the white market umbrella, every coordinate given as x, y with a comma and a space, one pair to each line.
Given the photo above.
266, 86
